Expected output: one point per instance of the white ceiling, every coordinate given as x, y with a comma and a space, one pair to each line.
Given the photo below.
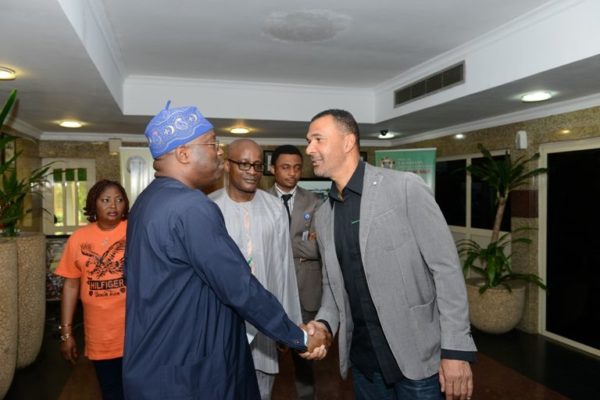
272, 64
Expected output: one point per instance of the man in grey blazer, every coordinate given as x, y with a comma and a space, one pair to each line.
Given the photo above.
392, 280
301, 204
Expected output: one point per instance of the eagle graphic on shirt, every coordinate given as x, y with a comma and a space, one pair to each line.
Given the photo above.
105, 265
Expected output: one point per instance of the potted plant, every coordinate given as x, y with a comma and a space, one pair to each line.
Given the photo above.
8, 288
30, 247
497, 297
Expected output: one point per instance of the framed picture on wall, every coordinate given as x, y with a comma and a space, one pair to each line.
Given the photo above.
267, 154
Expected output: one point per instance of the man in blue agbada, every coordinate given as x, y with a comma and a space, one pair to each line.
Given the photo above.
189, 288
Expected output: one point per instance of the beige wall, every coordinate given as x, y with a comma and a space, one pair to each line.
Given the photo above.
27, 162
107, 166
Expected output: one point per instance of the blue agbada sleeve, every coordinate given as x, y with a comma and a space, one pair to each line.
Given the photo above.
188, 291
218, 261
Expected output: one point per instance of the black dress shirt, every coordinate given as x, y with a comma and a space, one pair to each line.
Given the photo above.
369, 351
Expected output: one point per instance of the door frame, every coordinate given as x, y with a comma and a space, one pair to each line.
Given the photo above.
546, 149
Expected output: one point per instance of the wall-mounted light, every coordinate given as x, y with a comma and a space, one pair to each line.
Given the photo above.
565, 131
239, 131
70, 123
7, 74
459, 136
521, 140
539, 95
114, 146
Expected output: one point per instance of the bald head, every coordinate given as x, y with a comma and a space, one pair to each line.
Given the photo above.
244, 166
240, 146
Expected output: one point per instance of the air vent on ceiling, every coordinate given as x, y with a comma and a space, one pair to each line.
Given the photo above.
431, 84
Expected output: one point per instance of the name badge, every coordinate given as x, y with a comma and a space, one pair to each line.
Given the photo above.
305, 235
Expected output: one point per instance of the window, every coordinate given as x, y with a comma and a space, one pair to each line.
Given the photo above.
451, 190
70, 181
466, 201
483, 203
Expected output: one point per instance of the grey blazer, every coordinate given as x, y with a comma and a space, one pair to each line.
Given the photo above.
412, 271
306, 253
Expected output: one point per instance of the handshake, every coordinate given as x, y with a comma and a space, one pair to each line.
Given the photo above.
319, 340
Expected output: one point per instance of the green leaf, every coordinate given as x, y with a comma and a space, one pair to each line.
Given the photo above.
10, 102
13, 190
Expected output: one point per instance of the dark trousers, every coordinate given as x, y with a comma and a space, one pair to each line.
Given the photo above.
303, 369
406, 389
110, 377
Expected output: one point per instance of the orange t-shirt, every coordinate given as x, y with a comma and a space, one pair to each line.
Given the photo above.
96, 257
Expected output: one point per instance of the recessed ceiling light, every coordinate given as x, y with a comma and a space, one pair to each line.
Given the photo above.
239, 131
539, 95
7, 74
69, 123
459, 136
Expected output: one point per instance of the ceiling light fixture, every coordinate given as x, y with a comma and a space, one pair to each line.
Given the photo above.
239, 131
7, 74
540, 95
69, 123
459, 136
385, 134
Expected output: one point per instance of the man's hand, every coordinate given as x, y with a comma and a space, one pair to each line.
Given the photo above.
456, 379
319, 340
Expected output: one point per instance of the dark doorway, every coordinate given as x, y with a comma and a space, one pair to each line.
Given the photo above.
573, 246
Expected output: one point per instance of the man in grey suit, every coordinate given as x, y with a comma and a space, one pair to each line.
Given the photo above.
301, 204
392, 281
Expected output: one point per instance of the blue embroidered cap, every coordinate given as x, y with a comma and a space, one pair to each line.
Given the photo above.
174, 127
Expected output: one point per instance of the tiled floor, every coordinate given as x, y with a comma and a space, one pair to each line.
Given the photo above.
560, 368
512, 366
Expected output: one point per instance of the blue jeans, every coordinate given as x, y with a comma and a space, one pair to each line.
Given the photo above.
406, 389
109, 374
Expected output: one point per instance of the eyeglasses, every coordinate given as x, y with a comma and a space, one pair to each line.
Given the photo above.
216, 144
245, 166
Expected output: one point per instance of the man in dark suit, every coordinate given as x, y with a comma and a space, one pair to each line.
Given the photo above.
392, 281
301, 204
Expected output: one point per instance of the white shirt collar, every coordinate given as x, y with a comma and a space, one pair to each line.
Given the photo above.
281, 192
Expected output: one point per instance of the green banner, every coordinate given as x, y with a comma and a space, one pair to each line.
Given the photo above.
418, 161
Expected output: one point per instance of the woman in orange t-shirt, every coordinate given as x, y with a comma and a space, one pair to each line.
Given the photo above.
92, 264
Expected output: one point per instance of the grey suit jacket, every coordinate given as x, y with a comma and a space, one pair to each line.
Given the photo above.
412, 271
306, 252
